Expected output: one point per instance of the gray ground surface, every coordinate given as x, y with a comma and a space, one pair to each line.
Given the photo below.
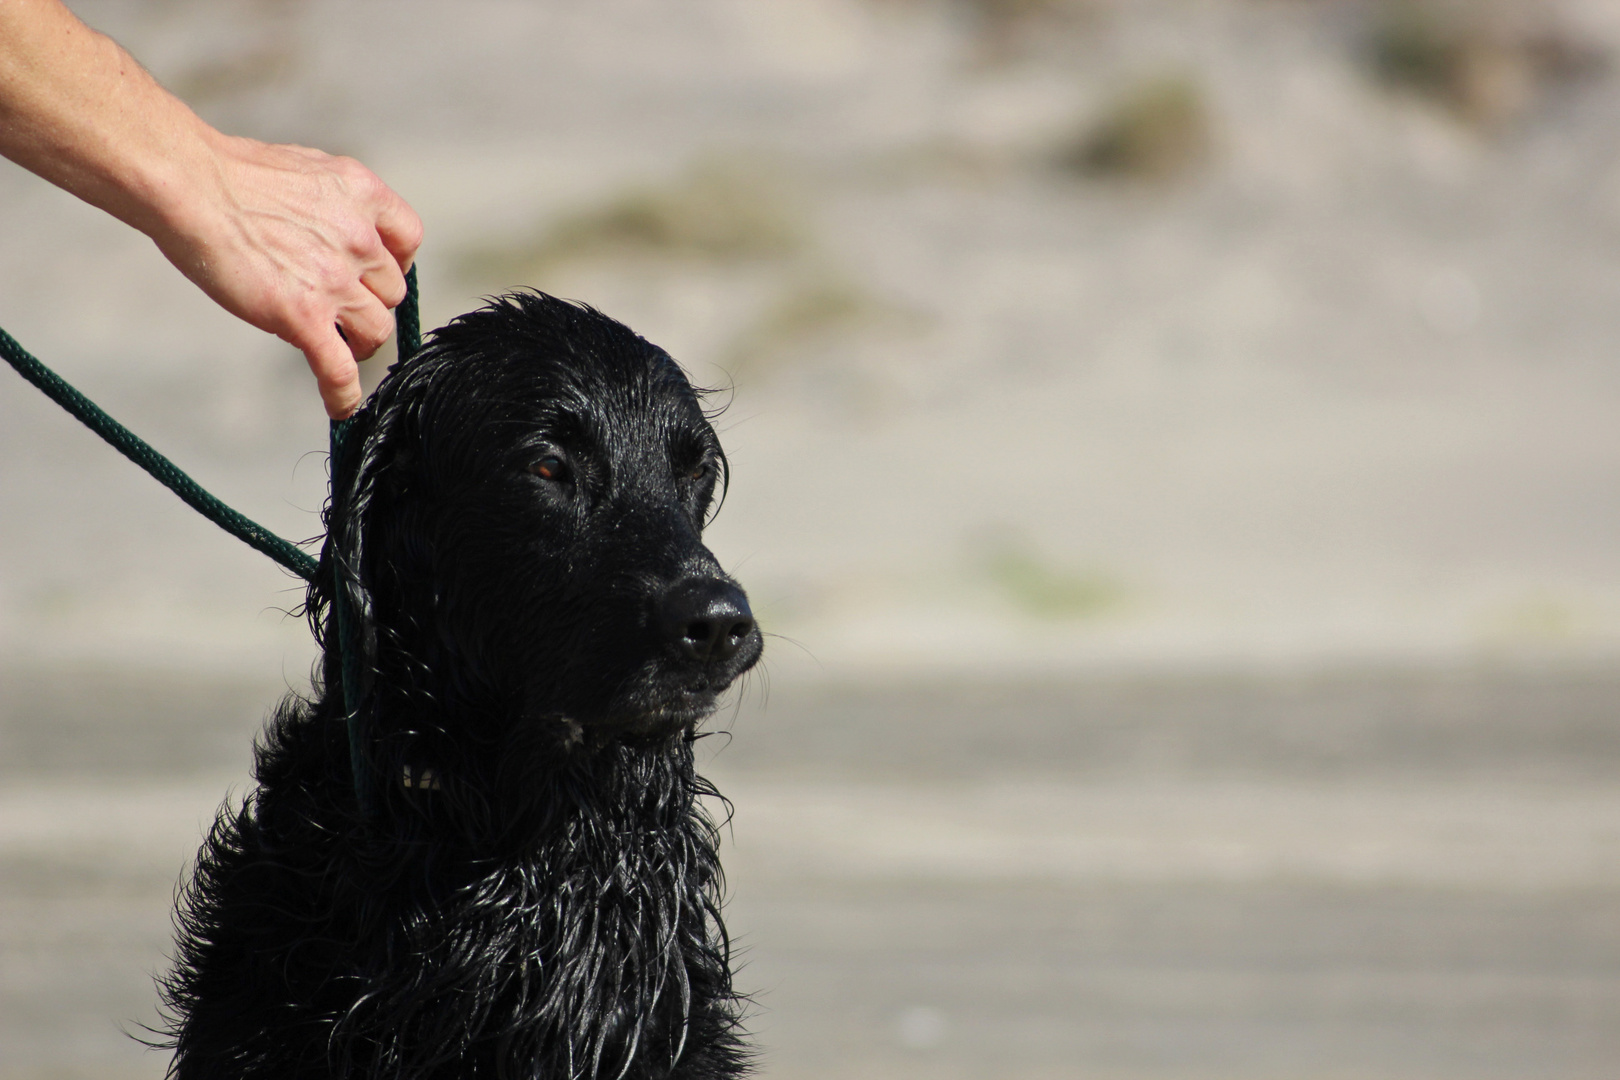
1382, 875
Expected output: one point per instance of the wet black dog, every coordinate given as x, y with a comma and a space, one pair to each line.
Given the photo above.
527, 886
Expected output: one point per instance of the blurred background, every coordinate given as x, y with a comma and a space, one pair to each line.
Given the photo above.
1176, 447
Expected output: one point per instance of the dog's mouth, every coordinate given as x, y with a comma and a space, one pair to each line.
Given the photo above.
673, 714
678, 713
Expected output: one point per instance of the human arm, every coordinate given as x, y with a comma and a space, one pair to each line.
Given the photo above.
292, 240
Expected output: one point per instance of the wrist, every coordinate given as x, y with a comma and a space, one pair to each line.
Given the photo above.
168, 186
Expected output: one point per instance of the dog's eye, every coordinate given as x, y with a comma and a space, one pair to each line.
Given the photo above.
551, 467
701, 471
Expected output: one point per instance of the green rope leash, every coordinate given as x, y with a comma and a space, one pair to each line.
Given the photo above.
163, 470
408, 337
346, 646
408, 319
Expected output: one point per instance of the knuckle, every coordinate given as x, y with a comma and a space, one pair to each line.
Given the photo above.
350, 170
410, 229
392, 286
359, 237
326, 354
366, 333
339, 375
311, 313
392, 294
333, 278
363, 184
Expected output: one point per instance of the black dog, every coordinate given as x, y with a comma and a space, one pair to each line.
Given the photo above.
510, 876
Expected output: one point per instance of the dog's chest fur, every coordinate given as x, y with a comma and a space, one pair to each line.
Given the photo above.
592, 947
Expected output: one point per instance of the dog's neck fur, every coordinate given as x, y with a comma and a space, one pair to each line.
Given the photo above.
562, 889
588, 948
562, 923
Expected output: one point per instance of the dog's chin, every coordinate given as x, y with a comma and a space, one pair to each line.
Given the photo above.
672, 715
637, 720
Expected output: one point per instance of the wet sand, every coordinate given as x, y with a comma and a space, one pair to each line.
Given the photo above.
1374, 875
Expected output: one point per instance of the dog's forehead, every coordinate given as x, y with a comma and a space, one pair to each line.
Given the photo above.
630, 394
528, 365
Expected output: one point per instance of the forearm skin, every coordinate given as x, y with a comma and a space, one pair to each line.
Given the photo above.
309, 247
76, 109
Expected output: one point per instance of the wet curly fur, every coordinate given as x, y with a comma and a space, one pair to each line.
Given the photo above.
529, 887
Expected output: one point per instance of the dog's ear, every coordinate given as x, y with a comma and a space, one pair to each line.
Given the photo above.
396, 529
402, 469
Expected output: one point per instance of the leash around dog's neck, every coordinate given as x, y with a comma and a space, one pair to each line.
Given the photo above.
408, 337
407, 340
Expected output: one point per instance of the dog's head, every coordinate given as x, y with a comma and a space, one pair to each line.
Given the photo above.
519, 515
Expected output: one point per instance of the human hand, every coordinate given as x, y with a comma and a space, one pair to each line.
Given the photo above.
309, 247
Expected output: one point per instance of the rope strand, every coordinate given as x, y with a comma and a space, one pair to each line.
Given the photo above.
160, 468
408, 339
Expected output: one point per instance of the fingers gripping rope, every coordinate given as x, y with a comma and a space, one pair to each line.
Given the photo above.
408, 335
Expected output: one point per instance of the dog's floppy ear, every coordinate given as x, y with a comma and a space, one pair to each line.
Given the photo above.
402, 468
380, 464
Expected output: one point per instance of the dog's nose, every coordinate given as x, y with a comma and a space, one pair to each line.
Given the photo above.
707, 619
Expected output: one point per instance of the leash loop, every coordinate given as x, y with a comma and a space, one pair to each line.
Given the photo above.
407, 339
